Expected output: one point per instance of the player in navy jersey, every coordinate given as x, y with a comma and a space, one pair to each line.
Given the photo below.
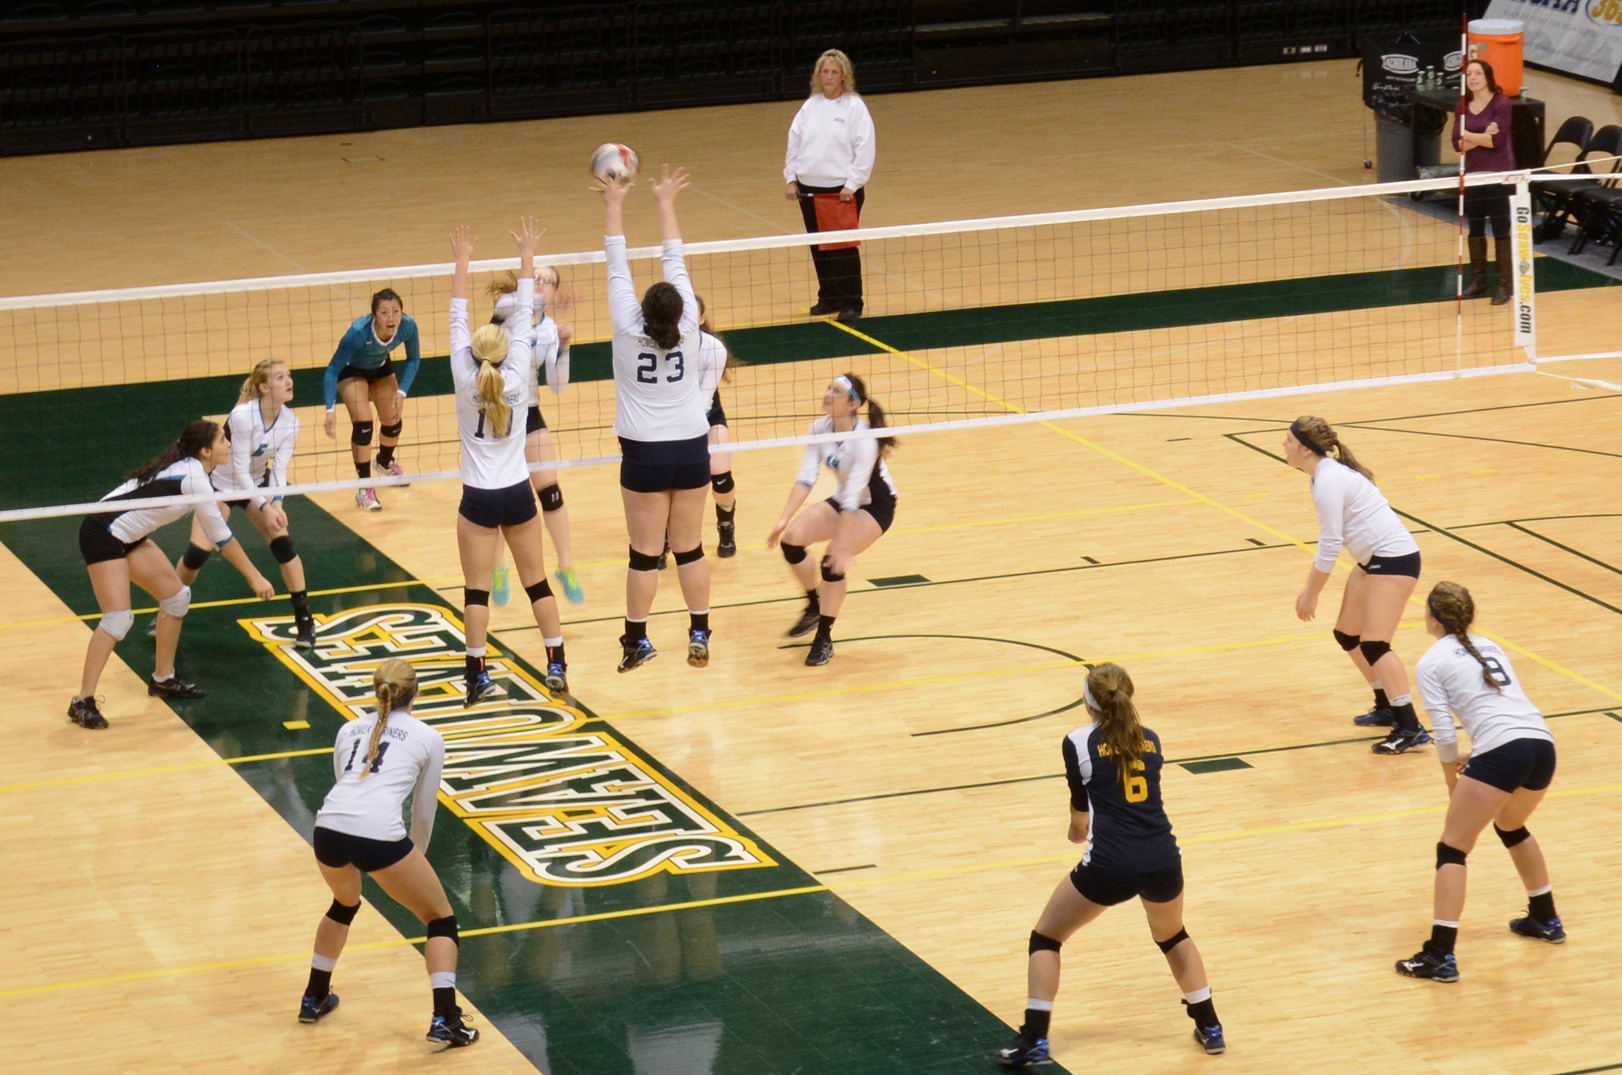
1113, 767
117, 551
1501, 781
363, 373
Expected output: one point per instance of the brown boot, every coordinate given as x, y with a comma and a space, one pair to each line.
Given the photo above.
1506, 272
1477, 286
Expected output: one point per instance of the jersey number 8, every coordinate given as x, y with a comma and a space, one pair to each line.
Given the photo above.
1498, 672
647, 365
1137, 787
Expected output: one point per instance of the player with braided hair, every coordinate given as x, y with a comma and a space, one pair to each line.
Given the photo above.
1502, 780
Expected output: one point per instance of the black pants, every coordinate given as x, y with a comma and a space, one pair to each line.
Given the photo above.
1492, 201
839, 272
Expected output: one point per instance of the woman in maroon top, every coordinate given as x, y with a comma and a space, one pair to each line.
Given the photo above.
1481, 132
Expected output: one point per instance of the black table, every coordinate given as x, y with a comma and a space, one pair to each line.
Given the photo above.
1436, 106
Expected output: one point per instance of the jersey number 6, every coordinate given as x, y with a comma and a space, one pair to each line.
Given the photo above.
1137, 787
647, 365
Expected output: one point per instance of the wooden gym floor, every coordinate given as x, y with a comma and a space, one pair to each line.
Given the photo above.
859, 851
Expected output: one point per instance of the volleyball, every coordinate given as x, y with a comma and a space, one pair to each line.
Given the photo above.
612, 162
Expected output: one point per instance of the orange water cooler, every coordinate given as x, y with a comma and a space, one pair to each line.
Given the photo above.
1498, 42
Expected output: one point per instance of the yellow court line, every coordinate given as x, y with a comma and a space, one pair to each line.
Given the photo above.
803, 890
1180, 487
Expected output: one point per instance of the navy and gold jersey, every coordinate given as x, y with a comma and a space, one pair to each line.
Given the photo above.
1127, 828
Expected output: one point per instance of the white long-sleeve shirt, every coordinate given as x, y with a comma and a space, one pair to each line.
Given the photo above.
551, 361
259, 453
1449, 679
184, 477
657, 393
712, 363
488, 461
1354, 514
831, 143
856, 463
409, 760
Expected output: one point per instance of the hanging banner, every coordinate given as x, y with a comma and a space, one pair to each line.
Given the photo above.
1579, 37
1520, 212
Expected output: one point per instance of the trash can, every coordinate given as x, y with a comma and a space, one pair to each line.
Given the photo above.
1394, 148
1498, 42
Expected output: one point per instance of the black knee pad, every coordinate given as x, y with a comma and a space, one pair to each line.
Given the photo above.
828, 575
721, 483
794, 554
551, 497
475, 597
392, 432
1171, 942
1511, 837
360, 434
538, 592
1347, 642
1042, 943
194, 557
1373, 651
1449, 856
641, 561
445, 927
342, 914
691, 556
282, 549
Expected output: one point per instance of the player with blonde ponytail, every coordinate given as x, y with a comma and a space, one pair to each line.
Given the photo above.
358, 831
491, 369
1113, 768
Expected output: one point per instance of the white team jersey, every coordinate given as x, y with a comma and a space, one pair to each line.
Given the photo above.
1352, 512
657, 393
489, 462
855, 463
712, 362
259, 453
185, 477
1449, 679
409, 759
551, 364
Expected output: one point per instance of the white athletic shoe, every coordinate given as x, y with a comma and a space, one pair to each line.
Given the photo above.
366, 500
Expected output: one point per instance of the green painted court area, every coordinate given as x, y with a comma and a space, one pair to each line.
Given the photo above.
771, 984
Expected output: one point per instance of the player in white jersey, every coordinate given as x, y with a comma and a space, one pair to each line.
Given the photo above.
659, 419
492, 374
549, 350
117, 552
1353, 514
379, 762
860, 511
1502, 780
262, 430
714, 360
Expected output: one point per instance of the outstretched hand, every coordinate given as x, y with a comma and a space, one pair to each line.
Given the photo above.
462, 243
528, 238
613, 191
669, 183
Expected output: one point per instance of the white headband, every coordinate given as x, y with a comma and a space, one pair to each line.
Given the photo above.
1087, 695
850, 389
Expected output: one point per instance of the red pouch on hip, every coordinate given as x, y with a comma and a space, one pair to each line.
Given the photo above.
835, 215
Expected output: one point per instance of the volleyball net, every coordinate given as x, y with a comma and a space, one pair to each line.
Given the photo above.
966, 323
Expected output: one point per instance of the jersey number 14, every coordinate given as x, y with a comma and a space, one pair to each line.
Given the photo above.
377, 762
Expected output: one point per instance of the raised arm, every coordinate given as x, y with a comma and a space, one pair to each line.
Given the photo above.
462, 245
665, 190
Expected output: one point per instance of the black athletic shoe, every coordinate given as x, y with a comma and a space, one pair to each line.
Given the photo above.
729, 540
1542, 929
305, 638
822, 651
1024, 1054
1400, 742
479, 688
173, 687
664, 557
451, 1030
86, 714
635, 654
1379, 717
557, 678
849, 314
806, 623
824, 308
311, 1010
698, 648
1210, 1039
1427, 964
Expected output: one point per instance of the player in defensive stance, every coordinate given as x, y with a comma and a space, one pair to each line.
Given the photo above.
261, 430
1113, 768
860, 511
363, 373
378, 763
1502, 780
117, 552
493, 374
1352, 512
659, 419
714, 360
549, 349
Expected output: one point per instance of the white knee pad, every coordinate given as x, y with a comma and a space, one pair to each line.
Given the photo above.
177, 605
118, 623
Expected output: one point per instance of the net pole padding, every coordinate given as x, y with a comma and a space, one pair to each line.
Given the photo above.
1523, 308
1016, 418
1464, 91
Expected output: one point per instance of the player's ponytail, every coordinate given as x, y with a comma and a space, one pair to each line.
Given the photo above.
661, 315
733, 361
256, 380
1452, 606
875, 413
1321, 440
395, 682
193, 439
1109, 694
489, 344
